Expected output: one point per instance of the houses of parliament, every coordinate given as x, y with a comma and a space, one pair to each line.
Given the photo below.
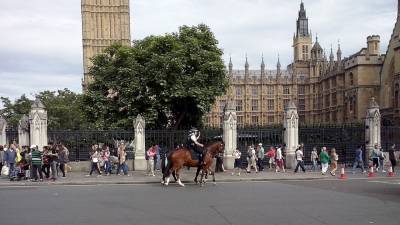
326, 88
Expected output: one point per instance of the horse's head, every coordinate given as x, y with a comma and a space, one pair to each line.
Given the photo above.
215, 147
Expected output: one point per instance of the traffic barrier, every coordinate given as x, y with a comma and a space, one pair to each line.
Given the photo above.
371, 172
342, 174
390, 172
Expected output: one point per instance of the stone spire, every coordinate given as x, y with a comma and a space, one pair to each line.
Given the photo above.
246, 68
302, 23
278, 66
262, 66
331, 57
230, 66
398, 9
339, 53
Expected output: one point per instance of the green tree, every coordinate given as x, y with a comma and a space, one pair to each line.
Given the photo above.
172, 80
13, 112
64, 109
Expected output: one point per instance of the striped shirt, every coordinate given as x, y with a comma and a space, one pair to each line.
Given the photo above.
36, 158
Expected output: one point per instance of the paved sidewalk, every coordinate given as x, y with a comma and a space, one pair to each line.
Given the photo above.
139, 177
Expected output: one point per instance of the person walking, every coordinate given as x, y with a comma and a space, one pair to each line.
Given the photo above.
107, 161
392, 157
382, 157
36, 163
299, 157
46, 161
151, 154
374, 156
53, 163
251, 159
279, 160
334, 161
237, 154
1, 158
358, 161
95, 160
10, 157
260, 157
324, 159
314, 159
62, 159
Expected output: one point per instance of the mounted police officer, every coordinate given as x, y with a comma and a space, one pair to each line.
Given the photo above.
193, 143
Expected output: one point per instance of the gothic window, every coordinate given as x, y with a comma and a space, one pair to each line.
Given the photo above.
222, 105
285, 103
238, 91
254, 105
351, 79
302, 104
240, 121
327, 101
271, 90
301, 90
239, 105
334, 99
271, 119
286, 90
254, 91
351, 106
333, 82
254, 120
270, 104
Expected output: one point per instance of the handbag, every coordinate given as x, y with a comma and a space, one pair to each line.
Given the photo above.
5, 170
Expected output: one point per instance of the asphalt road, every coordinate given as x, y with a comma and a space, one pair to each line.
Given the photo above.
322, 202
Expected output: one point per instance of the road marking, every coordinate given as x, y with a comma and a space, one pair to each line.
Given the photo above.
397, 182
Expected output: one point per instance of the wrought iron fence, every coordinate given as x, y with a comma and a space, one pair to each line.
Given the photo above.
79, 142
268, 136
11, 134
390, 136
345, 139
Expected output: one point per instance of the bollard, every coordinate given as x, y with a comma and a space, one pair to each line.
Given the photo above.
371, 172
390, 172
342, 174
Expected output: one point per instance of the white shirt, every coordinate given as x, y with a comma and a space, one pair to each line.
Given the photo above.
299, 155
237, 154
279, 154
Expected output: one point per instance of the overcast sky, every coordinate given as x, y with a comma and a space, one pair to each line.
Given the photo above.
41, 40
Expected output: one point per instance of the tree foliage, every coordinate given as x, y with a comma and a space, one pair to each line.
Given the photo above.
64, 109
171, 80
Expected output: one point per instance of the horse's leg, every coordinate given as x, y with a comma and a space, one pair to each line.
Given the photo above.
197, 174
213, 174
178, 175
174, 174
201, 178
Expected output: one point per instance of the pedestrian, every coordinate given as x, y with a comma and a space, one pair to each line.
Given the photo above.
122, 160
151, 153
1, 158
237, 154
382, 157
334, 161
324, 159
46, 162
106, 159
251, 159
279, 160
374, 156
314, 159
62, 158
299, 158
95, 155
271, 155
53, 163
358, 161
10, 157
392, 157
66, 165
260, 157
36, 163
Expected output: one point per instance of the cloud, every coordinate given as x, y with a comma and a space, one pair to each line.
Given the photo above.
41, 46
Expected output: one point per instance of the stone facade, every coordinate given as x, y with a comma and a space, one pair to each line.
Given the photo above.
389, 99
334, 90
104, 22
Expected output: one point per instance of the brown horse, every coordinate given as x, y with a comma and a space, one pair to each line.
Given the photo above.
181, 157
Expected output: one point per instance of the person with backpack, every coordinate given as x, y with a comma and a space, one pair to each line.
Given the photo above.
314, 159
334, 161
324, 159
36, 163
279, 160
63, 158
46, 162
260, 157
